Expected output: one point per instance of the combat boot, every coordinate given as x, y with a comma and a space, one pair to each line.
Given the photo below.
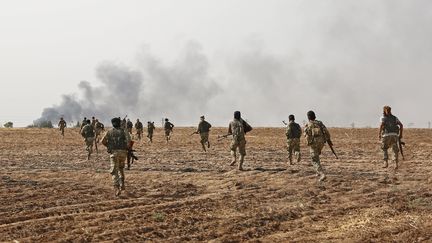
117, 191
396, 165
322, 177
290, 161
298, 154
122, 184
385, 165
240, 167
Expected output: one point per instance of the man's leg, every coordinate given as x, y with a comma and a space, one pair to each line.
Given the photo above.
233, 149
395, 149
297, 150
242, 151
122, 158
290, 150
315, 151
114, 161
385, 147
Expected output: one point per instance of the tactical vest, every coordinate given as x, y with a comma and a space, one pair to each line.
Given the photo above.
237, 130
150, 128
316, 129
117, 140
294, 130
390, 124
168, 126
99, 125
204, 126
88, 131
139, 125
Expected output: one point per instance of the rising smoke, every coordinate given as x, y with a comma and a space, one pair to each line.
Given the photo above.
151, 90
360, 56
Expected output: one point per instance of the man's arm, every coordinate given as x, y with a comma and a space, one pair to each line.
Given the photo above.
400, 129
105, 140
229, 129
288, 130
381, 130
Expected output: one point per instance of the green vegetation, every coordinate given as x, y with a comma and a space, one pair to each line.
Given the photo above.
41, 124
8, 125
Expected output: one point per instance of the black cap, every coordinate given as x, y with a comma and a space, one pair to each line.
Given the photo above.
311, 115
116, 122
237, 114
291, 118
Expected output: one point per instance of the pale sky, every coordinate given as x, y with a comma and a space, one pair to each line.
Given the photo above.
345, 59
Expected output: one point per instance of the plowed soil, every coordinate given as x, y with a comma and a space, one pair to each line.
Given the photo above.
176, 192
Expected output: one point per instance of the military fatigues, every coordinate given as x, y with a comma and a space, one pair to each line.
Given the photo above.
203, 130
129, 125
293, 134
99, 127
390, 138
88, 134
150, 129
139, 129
168, 129
62, 125
316, 135
83, 123
117, 141
237, 129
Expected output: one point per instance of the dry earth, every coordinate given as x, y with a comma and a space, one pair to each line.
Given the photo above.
50, 192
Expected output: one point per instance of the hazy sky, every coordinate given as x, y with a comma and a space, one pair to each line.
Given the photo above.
150, 59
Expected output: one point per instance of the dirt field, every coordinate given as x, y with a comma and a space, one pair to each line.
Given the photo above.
50, 192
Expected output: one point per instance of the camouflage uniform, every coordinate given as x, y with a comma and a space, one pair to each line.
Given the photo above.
168, 126
123, 124
139, 129
99, 127
93, 122
390, 138
203, 130
88, 134
129, 126
83, 123
117, 140
316, 135
293, 134
150, 129
62, 125
237, 129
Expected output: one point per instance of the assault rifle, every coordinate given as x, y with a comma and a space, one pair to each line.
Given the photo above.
401, 143
220, 137
286, 124
330, 143
194, 133
130, 155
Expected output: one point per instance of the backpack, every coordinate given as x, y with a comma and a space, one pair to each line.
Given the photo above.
390, 124
117, 140
247, 127
88, 131
295, 130
237, 129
